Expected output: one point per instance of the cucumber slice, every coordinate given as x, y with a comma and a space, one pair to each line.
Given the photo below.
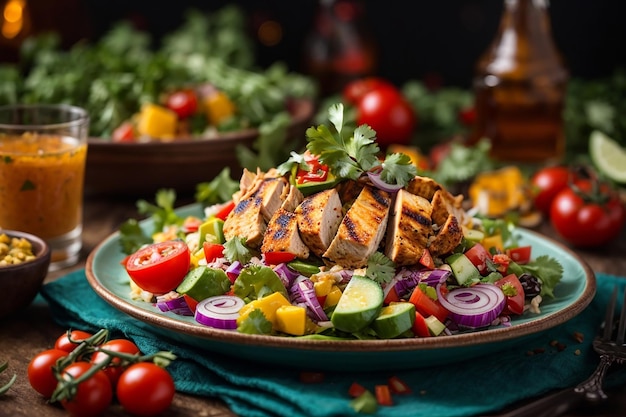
204, 282
435, 327
358, 306
394, 320
463, 269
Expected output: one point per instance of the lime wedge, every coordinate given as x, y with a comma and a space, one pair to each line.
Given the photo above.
608, 156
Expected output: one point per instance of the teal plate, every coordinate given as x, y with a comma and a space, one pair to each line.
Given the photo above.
575, 291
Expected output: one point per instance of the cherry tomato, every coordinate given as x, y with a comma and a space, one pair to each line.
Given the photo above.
514, 292
420, 327
124, 133
520, 254
480, 257
354, 91
40, 374
546, 183
114, 369
184, 103
93, 396
580, 216
160, 267
77, 336
212, 251
387, 112
145, 389
438, 153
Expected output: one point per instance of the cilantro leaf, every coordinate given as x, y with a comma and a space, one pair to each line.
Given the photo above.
235, 249
398, 169
132, 237
255, 323
548, 270
218, 190
162, 213
380, 268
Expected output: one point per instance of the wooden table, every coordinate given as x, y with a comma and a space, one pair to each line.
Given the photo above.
22, 336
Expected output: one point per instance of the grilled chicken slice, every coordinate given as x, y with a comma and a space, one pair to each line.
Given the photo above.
423, 186
282, 235
292, 197
361, 229
246, 221
270, 192
409, 228
448, 238
318, 218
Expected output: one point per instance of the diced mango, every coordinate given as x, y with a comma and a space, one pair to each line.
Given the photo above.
157, 121
218, 107
494, 241
291, 320
497, 192
332, 298
268, 306
324, 285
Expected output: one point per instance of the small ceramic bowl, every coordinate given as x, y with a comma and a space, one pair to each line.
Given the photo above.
20, 283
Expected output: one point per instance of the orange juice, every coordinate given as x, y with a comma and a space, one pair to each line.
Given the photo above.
41, 184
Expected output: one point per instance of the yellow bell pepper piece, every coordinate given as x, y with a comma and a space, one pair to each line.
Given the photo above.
494, 241
268, 306
157, 121
196, 257
291, 320
333, 297
218, 107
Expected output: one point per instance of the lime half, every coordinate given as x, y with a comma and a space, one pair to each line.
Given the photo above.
608, 156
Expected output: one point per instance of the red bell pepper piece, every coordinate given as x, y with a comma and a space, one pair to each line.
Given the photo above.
356, 390
212, 251
383, 395
275, 258
225, 210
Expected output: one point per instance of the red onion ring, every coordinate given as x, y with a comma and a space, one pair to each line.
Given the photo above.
220, 311
176, 305
475, 306
379, 183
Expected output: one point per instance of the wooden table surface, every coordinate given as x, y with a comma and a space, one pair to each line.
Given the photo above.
24, 335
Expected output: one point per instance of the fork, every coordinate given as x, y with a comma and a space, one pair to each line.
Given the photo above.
610, 346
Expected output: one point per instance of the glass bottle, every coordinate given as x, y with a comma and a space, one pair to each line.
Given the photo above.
340, 47
520, 86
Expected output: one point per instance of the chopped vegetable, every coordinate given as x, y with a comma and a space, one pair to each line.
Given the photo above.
220, 311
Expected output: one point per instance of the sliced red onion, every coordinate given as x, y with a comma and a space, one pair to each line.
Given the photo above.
286, 274
233, 271
379, 183
220, 311
173, 302
473, 307
409, 278
303, 292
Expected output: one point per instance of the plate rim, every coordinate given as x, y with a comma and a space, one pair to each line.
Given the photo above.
209, 334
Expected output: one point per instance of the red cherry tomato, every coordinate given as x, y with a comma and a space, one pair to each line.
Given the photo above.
124, 133
387, 112
184, 103
40, 374
76, 336
354, 91
581, 217
145, 389
514, 292
479, 257
94, 395
546, 184
160, 267
114, 369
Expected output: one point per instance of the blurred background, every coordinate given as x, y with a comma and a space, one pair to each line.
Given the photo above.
438, 42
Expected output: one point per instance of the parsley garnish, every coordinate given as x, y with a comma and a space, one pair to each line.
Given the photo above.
548, 270
235, 249
380, 268
218, 190
349, 156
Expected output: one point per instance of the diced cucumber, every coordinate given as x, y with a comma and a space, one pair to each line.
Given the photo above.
359, 305
394, 319
473, 235
435, 326
204, 282
463, 269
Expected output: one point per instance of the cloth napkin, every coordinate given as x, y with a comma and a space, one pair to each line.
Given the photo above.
453, 390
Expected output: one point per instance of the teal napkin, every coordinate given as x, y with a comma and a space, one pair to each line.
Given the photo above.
457, 389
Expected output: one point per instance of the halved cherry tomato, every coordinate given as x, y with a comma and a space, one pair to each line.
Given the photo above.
501, 261
124, 133
184, 103
383, 395
520, 255
275, 258
420, 328
212, 251
398, 386
159, 267
480, 257
427, 306
427, 260
225, 210
514, 292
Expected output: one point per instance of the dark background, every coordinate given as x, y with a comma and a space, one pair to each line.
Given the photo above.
417, 39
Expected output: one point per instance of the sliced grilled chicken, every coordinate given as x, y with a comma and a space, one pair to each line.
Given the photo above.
448, 238
423, 186
408, 229
282, 235
270, 192
292, 197
445, 204
318, 218
246, 220
361, 229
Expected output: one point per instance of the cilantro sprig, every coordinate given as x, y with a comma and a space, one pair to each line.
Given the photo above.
352, 154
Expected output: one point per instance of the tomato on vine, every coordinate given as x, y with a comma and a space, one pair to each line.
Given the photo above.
93, 395
587, 213
546, 184
70, 343
40, 374
145, 389
113, 367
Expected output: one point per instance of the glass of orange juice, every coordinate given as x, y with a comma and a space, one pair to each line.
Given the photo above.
43, 149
